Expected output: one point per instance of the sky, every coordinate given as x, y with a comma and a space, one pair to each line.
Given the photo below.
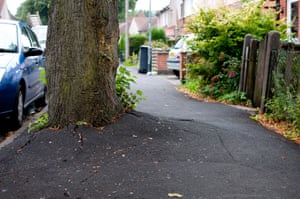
140, 5
13, 5
155, 4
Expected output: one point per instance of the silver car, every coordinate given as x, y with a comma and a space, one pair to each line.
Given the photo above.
173, 61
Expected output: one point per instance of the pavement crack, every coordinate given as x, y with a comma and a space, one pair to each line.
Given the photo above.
134, 113
78, 134
185, 120
86, 179
28, 142
224, 146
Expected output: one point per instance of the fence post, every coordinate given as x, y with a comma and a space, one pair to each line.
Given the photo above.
182, 70
273, 44
289, 63
252, 68
259, 73
245, 63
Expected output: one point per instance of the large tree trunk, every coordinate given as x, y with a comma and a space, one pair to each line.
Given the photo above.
82, 62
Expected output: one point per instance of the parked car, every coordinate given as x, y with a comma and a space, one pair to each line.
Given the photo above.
173, 61
41, 33
20, 60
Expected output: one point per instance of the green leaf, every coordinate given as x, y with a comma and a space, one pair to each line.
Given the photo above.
139, 92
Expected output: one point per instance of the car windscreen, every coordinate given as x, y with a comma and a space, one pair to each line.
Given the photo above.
179, 44
41, 33
8, 38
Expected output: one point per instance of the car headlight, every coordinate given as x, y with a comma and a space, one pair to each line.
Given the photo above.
2, 71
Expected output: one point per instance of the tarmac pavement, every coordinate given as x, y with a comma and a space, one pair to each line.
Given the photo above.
171, 146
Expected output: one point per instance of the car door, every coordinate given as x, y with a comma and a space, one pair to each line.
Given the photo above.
31, 72
39, 62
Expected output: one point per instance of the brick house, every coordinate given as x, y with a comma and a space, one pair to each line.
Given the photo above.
167, 19
173, 17
289, 11
138, 24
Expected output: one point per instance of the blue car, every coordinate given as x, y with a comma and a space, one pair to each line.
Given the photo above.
21, 59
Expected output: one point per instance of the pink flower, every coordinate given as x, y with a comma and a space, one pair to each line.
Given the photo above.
232, 74
214, 78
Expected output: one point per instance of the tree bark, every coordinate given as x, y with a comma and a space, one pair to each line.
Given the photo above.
82, 62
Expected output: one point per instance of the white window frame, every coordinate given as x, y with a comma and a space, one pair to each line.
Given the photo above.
289, 17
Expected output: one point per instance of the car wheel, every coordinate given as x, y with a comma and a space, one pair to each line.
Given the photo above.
18, 114
176, 72
41, 102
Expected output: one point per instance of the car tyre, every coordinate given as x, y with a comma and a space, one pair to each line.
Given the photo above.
41, 102
18, 114
176, 72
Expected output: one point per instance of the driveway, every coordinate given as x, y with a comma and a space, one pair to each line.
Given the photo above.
170, 145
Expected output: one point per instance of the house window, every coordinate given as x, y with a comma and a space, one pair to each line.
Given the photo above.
292, 17
182, 10
295, 17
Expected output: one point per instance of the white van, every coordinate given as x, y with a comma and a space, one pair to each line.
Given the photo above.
173, 61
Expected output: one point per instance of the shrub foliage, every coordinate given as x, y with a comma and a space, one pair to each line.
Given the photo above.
128, 98
218, 42
137, 40
158, 34
284, 105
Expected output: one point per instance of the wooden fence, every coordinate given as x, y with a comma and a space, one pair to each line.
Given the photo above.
261, 60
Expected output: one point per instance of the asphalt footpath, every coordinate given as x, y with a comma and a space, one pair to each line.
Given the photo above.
170, 147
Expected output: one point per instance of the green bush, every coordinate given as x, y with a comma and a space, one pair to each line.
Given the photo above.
218, 39
226, 81
222, 30
124, 80
158, 44
38, 124
234, 98
285, 104
192, 85
132, 61
121, 46
136, 41
158, 34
